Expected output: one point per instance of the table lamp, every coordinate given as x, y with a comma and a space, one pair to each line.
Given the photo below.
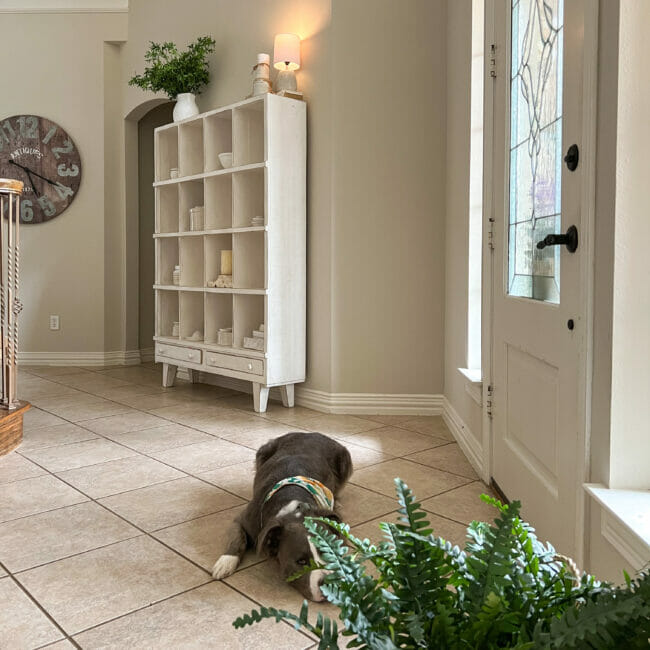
286, 59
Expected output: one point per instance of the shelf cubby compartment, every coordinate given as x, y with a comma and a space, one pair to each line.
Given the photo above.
218, 202
191, 261
218, 314
248, 196
190, 195
218, 138
166, 259
248, 260
166, 145
167, 209
167, 310
214, 244
248, 134
191, 313
248, 314
190, 148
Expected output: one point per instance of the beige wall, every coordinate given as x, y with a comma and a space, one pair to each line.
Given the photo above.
388, 193
59, 63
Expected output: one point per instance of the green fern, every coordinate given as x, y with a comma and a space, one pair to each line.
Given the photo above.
506, 589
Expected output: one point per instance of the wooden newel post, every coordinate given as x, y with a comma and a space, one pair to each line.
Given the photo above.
11, 409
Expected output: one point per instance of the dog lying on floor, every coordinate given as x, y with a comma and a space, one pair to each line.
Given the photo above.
296, 475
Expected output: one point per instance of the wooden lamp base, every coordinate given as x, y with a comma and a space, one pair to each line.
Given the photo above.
11, 427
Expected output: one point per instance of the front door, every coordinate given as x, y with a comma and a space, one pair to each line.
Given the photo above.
538, 324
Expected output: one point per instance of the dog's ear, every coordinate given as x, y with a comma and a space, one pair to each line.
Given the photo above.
265, 452
268, 540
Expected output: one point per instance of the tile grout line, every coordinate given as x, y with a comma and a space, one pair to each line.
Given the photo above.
24, 589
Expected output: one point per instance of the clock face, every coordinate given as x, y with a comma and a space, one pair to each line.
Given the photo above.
43, 156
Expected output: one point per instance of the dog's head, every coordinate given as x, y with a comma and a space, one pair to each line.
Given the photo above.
286, 539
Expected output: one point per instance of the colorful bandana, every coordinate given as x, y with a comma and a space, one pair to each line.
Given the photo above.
321, 493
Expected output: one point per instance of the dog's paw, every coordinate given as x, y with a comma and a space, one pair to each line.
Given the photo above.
225, 566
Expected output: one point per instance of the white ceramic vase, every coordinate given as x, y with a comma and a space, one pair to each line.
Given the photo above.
185, 107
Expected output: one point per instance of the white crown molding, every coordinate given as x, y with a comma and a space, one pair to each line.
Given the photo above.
469, 444
63, 6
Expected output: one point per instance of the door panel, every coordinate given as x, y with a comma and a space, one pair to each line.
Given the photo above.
531, 414
537, 359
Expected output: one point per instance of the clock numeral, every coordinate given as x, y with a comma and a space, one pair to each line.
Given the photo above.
63, 191
26, 212
62, 170
47, 206
49, 135
28, 126
66, 148
9, 129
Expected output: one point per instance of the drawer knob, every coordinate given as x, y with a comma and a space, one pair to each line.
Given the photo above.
250, 366
190, 355
162, 350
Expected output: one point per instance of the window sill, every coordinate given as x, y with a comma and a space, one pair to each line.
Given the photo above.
473, 383
625, 521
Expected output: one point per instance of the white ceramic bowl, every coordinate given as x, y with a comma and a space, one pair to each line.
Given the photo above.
225, 159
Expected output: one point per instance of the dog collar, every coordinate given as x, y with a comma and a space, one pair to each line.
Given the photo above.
321, 493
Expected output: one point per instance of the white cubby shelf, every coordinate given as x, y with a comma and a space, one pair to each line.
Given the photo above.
267, 138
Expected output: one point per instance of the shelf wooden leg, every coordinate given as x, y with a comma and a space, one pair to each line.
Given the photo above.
260, 397
194, 375
287, 393
169, 375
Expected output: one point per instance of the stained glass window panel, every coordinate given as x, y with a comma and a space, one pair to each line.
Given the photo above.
535, 148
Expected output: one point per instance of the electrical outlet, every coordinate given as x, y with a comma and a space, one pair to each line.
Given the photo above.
54, 322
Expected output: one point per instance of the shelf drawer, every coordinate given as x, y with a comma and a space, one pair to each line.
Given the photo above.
241, 364
178, 353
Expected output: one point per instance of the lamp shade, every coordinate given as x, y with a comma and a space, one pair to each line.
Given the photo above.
286, 52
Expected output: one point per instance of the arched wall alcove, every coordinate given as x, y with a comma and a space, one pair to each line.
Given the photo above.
139, 126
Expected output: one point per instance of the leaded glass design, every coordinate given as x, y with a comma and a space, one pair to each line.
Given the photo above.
535, 148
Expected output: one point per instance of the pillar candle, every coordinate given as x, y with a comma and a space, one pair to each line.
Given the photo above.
226, 262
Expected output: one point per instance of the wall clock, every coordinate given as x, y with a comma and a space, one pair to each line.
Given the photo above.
40, 153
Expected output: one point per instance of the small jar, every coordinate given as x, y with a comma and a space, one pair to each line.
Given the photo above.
197, 219
176, 330
176, 276
173, 172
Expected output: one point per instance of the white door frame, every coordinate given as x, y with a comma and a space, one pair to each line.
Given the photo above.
494, 65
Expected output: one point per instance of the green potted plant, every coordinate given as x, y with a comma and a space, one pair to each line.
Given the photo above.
180, 75
505, 590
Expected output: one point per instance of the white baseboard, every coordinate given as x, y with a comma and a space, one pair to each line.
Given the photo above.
466, 440
117, 358
369, 403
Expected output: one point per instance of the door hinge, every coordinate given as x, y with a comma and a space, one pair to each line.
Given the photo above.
493, 61
488, 401
490, 233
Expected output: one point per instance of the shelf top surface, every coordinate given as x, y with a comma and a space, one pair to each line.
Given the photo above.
175, 287
216, 231
251, 102
215, 172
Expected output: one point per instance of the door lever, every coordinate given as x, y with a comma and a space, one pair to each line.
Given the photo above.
570, 240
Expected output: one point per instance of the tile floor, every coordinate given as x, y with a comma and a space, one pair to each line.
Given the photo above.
113, 508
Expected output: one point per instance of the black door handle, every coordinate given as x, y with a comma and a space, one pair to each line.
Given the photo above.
570, 240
